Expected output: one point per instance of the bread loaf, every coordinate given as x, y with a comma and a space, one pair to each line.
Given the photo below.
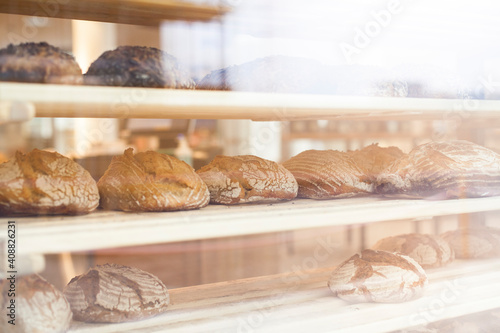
39, 306
38, 63
456, 169
372, 159
42, 182
477, 242
327, 174
114, 293
138, 66
428, 250
378, 276
151, 181
247, 178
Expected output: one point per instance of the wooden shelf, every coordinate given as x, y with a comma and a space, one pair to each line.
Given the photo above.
120, 102
302, 303
140, 12
108, 229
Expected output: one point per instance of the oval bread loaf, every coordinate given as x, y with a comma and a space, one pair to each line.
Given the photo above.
42, 182
378, 276
247, 178
114, 293
477, 242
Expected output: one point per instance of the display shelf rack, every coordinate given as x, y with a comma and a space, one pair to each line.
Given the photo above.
109, 229
301, 301
124, 102
140, 12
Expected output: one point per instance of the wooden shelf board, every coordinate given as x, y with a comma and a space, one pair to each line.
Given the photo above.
123, 102
140, 12
289, 303
108, 229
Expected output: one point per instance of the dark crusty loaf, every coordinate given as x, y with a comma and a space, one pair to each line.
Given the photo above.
455, 169
428, 250
476, 242
115, 293
247, 178
38, 63
39, 306
327, 174
378, 276
138, 66
151, 181
42, 182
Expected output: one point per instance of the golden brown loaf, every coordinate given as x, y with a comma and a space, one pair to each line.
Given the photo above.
38, 63
378, 276
372, 159
42, 182
428, 250
138, 66
477, 242
455, 169
327, 174
247, 178
151, 181
114, 293
39, 306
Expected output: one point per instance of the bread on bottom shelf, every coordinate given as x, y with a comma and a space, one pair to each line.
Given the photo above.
247, 178
114, 293
428, 250
475, 242
39, 306
378, 276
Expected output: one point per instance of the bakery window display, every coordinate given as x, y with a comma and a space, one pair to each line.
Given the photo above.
247, 178
378, 276
151, 182
38, 63
42, 182
113, 293
138, 66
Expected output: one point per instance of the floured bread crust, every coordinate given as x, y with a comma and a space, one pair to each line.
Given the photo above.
151, 181
42, 182
477, 242
115, 293
378, 276
428, 250
247, 178
327, 174
40, 307
372, 159
456, 169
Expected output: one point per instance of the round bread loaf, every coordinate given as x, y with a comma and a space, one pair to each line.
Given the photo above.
42, 182
372, 159
39, 306
151, 181
428, 250
378, 276
456, 169
38, 63
478, 242
138, 66
278, 74
327, 174
247, 178
114, 293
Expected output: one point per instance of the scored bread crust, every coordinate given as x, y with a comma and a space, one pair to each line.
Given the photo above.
456, 169
372, 159
475, 242
327, 174
40, 307
150, 181
38, 63
247, 178
138, 66
428, 250
378, 276
42, 182
113, 293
